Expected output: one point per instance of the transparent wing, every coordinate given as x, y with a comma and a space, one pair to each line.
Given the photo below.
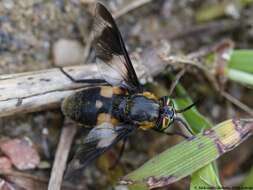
100, 139
112, 58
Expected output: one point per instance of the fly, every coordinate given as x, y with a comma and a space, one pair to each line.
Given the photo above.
114, 111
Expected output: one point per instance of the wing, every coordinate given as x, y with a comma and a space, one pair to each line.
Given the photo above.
100, 139
112, 57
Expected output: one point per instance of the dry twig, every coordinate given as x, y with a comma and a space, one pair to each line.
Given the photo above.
210, 28
45, 89
192, 60
34, 91
30, 182
67, 135
237, 102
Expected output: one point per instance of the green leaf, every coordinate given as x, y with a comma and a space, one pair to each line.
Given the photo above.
196, 121
242, 60
240, 76
210, 12
205, 177
248, 182
191, 155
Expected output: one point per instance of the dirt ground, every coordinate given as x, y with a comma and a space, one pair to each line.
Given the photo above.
35, 35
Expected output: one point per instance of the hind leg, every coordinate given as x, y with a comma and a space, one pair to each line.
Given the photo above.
81, 80
116, 162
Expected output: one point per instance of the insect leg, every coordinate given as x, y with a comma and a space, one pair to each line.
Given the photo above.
81, 80
120, 154
175, 133
184, 124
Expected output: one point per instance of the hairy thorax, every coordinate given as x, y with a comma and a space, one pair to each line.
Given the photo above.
137, 109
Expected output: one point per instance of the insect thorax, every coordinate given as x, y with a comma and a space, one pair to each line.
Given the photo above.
136, 109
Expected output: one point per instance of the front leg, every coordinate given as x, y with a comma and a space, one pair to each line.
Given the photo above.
173, 133
184, 124
97, 81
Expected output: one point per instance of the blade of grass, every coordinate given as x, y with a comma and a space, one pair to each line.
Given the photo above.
191, 155
197, 123
248, 182
206, 176
240, 76
240, 67
196, 120
210, 13
217, 10
241, 60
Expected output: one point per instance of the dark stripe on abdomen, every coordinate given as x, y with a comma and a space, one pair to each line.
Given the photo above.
85, 106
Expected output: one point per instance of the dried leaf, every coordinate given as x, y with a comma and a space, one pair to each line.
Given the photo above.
22, 154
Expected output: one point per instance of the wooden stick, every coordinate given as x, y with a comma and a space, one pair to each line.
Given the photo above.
44, 89
67, 135
237, 102
31, 181
34, 91
191, 60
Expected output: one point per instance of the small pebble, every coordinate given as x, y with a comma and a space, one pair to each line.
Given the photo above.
68, 52
4, 185
5, 163
21, 153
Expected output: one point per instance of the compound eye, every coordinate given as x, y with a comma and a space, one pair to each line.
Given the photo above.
171, 113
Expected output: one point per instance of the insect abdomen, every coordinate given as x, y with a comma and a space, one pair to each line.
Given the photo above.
88, 105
